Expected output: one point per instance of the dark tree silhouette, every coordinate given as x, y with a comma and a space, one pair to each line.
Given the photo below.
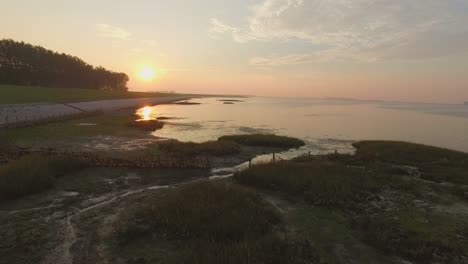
26, 64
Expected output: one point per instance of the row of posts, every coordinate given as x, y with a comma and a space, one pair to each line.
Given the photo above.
273, 160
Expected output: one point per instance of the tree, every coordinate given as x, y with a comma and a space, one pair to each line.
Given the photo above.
26, 64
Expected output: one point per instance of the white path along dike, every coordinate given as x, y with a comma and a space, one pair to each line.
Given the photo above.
20, 113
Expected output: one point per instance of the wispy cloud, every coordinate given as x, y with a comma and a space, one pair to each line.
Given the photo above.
374, 30
239, 35
276, 60
109, 31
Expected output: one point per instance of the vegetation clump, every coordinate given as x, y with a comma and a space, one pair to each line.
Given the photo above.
216, 222
265, 140
209, 148
318, 182
435, 164
380, 196
418, 236
209, 210
147, 125
33, 174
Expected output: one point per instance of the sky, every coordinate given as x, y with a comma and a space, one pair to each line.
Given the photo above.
404, 50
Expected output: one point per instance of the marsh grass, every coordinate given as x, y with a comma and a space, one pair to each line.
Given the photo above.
215, 211
213, 222
209, 148
33, 174
436, 164
409, 153
146, 125
264, 140
318, 182
418, 236
399, 219
267, 249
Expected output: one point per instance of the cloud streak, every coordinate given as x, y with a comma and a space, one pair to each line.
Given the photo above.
109, 31
357, 29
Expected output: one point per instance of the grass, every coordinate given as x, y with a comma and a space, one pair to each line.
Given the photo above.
24, 238
265, 140
409, 153
318, 182
108, 124
209, 210
10, 94
435, 164
146, 125
177, 148
418, 236
212, 222
369, 198
33, 174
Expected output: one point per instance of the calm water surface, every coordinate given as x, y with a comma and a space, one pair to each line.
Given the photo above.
325, 124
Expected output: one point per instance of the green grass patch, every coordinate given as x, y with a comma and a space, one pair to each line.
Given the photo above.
418, 236
264, 140
268, 249
409, 153
211, 222
209, 148
33, 174
146, 125
319, 182
11, 94
106, 124
435, 164
214, 211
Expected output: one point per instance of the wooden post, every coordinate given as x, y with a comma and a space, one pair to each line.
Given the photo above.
250, 163
274, 157
309, 154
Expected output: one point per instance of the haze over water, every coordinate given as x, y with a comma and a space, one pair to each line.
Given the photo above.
324, 124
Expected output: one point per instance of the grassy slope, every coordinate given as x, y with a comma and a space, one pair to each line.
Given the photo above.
10, 94
108, 124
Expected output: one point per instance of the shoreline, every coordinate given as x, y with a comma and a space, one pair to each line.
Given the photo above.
17, 114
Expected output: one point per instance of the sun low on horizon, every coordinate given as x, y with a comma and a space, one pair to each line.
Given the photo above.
147, 73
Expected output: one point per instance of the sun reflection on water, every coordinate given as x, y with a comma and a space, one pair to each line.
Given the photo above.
145, 113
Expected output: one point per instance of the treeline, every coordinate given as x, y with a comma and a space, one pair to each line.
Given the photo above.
26, 64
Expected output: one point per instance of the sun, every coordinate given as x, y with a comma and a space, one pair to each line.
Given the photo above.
147, 73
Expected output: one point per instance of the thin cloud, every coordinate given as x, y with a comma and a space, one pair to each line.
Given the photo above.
109, 31
363, 29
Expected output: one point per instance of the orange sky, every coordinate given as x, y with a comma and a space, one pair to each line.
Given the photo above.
390, 50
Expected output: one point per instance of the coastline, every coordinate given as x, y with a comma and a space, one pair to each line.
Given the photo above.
15, 114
